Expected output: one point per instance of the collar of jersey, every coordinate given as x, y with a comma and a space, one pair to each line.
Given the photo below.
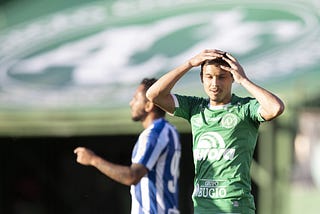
220, 107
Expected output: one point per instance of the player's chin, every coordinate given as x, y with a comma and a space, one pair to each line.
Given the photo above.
214, 96
216, 99
135, 118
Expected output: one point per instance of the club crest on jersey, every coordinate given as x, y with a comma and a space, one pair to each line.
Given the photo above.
211, 146
229, 120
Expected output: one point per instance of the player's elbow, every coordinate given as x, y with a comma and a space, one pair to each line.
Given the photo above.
278, 109
137, 171
274, 112
150, 94
153, 97
129, 180
135, 181
281, 108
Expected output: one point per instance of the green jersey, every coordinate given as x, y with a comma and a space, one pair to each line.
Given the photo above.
224, 140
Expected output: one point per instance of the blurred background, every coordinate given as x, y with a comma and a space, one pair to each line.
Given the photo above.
68, 70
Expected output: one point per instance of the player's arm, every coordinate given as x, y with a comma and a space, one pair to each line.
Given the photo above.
160, 92
127, 175
271, 105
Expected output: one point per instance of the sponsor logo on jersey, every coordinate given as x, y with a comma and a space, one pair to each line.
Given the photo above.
229, 120
211, 146
210, 189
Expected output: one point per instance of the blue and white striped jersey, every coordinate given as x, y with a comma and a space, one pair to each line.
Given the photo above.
158, 149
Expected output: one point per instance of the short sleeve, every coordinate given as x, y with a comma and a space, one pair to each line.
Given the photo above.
254, 111
188, 105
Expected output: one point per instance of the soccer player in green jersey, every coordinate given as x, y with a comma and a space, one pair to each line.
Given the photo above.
224, 128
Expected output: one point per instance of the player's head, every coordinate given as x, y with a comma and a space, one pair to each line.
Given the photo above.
140, 105
216, 81
216, 62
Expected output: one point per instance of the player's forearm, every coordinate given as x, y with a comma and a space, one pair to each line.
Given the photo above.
119, 173
271, 105
164, 85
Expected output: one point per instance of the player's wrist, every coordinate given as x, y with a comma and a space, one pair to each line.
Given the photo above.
243, 81
188, 64
95, 161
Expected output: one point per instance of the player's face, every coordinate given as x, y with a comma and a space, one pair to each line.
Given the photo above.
137, 104
217, 84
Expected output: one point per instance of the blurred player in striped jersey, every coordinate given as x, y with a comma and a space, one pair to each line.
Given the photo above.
153, 174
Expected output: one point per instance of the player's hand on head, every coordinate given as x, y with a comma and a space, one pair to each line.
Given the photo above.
207, 54
235, 68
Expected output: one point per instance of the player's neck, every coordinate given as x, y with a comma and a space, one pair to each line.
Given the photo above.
222, 102
149, 120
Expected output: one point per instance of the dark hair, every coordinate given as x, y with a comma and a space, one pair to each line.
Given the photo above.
217, 62
147, 83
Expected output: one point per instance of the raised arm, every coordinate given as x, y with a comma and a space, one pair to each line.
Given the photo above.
127, 175
271, 105
160, 92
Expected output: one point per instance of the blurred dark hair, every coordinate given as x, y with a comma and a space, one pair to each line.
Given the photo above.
217, 62
147, 83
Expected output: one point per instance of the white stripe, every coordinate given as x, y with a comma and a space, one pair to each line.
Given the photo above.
145, 194
141, 145
134, 204
176, 103
159, 184
162, 142
175, 100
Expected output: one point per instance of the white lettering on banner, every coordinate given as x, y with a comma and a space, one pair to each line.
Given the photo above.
74, 40
51, 27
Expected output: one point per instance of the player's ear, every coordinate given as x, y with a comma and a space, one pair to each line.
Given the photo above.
148, 106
